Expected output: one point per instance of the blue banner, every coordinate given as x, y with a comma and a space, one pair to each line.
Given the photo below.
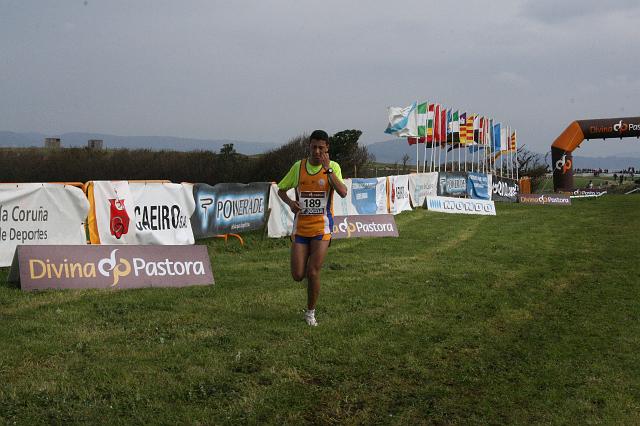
363, 195
478, 186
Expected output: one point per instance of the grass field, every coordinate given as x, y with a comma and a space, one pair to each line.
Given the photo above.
532, 316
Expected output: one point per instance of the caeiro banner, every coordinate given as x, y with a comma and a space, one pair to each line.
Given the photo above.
229, 208
398, 194
140, 213
40, 213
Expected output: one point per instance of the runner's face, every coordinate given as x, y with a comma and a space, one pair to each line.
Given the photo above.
318, 148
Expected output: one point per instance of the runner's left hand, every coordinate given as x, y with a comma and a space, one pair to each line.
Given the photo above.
325, 160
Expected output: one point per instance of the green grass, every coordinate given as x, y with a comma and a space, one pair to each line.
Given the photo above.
532, 316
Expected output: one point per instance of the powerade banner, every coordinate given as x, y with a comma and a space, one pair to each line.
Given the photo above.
504, 189
40, 213
111, 267
452, 184
140, 213
381, 225
461, 206
363, 195
229, 208
478, 185
421, 185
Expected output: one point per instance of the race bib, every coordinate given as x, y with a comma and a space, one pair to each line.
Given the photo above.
312, 203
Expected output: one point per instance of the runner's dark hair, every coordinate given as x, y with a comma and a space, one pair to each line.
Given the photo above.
319, 135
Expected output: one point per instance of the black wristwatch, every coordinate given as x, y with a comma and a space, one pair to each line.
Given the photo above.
329, 171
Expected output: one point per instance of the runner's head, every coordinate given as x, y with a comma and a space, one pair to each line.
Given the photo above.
318, 145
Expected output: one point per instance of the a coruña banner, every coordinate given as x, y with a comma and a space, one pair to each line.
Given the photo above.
113, 267
380, 225
229, 208
452, 184
504, 189
478, 185
421, 185
40, 213
140, 213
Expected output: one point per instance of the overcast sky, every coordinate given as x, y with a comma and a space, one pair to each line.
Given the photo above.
269, 70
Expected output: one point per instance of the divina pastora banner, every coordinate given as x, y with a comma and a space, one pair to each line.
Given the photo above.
114, 267
40, 213
379, 225
229, 208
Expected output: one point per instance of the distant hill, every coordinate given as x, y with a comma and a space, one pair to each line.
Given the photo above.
392, 151
21, 140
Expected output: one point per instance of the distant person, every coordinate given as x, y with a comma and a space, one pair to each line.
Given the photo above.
615, 178
621, 178
314, 178
590, 185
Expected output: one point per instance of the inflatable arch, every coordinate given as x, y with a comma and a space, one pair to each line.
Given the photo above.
573, 136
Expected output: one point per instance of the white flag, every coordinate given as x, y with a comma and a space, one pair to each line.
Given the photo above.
403, 121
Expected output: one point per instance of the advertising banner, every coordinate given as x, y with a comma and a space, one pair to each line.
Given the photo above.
553, 199
478, 185
382, 201
162, 213
452, 184
364, 195
140, 213
40, 213
381, 225
504, 189
420, 186
343, 206
229, 208
115, 267
398, 189
588, 193
461, 206
280, 222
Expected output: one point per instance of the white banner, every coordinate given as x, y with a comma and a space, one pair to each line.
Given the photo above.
143, 213
280, 222
381, 196
398, 188
40, 214
422, 185
461, 205
342, 206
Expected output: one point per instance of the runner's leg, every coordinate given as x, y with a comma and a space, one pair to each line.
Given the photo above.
299, 256
317, 253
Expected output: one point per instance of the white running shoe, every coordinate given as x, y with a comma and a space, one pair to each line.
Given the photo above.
310, 318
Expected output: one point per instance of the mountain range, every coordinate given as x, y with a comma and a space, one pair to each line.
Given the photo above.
390, 151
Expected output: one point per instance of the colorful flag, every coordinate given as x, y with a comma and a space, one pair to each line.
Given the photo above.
476, 128
442, 128
455, 127
512, 142
402, 121
422, 120
463, 127
496, 137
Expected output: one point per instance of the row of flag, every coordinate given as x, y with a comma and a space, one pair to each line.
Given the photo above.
435, 125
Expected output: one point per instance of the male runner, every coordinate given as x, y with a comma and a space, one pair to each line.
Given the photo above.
315, 178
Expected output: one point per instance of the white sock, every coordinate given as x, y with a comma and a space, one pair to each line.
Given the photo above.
311, 312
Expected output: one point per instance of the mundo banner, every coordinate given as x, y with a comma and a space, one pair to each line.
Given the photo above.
381, 225
452, 184
114, 267
552, 199
503, 189
461, 206
229, 208
40, 213
478, 185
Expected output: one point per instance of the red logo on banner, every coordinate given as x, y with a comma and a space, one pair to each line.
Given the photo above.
119, 221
